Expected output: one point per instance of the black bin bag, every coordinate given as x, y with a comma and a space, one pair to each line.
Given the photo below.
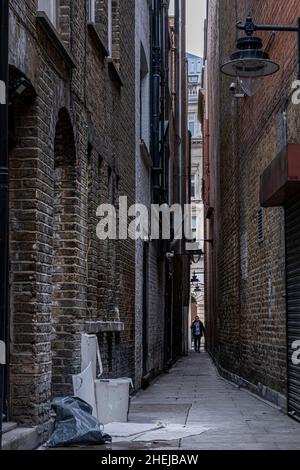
75, 425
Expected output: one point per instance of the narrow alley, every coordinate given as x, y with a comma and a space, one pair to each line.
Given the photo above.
150, 226
194, 393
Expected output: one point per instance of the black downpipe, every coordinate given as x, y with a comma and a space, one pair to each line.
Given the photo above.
145, 311
162, 100
156, 98
4, 9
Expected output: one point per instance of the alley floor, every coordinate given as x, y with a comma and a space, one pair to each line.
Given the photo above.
193, 393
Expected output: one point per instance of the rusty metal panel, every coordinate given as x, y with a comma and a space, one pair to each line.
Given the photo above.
281, 180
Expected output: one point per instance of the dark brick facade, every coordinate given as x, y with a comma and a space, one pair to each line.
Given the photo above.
72, 148
245, 294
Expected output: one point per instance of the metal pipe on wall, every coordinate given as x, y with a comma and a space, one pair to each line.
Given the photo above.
4, 13
155, 101
180, 164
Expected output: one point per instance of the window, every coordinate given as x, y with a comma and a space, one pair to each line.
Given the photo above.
194, 228
193, 186
110, 28
192, 122
50, 8
193, 78
92, 11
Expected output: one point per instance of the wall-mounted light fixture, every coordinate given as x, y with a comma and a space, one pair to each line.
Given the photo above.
21, 88
251, 61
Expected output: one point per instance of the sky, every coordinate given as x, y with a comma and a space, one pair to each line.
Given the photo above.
196, 12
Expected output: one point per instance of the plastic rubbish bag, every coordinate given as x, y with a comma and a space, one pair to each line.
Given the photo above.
75, 425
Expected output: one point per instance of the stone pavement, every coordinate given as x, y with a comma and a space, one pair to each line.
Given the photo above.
193, 392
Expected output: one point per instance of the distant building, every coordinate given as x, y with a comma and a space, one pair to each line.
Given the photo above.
195, 65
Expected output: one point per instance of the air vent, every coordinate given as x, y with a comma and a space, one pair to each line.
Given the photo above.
260, 225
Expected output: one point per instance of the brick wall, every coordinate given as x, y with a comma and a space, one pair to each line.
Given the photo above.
249, 318
73, 149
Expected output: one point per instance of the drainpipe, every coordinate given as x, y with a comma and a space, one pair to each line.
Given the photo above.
163, 13
155, 102
179, 116
3, 199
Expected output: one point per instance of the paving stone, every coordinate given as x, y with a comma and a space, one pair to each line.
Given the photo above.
237, 419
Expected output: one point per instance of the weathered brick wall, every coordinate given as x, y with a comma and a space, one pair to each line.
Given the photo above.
74, 148
250, 314
263, 358
227, 229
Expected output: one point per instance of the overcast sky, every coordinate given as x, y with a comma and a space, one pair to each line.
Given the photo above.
196, 12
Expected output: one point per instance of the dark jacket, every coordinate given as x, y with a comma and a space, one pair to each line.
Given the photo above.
193, 328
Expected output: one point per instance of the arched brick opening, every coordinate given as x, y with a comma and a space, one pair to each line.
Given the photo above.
65, 271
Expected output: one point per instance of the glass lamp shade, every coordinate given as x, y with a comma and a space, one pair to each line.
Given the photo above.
250, 61
250, 86
250, 68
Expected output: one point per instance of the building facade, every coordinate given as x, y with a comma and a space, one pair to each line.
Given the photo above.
92, 118
71, 147
195, 65
252, 263
150, 265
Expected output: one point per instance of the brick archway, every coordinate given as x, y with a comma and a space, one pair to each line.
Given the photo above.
65, 270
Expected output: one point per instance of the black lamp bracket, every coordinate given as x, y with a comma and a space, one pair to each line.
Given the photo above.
250, 28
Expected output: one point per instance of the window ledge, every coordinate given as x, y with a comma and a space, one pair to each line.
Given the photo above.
114, 70
93, 29
94, 327
52, 34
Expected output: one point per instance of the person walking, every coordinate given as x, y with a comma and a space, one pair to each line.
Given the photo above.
197, 331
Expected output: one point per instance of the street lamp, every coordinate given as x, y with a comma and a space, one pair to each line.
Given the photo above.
250, 61
194, 279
